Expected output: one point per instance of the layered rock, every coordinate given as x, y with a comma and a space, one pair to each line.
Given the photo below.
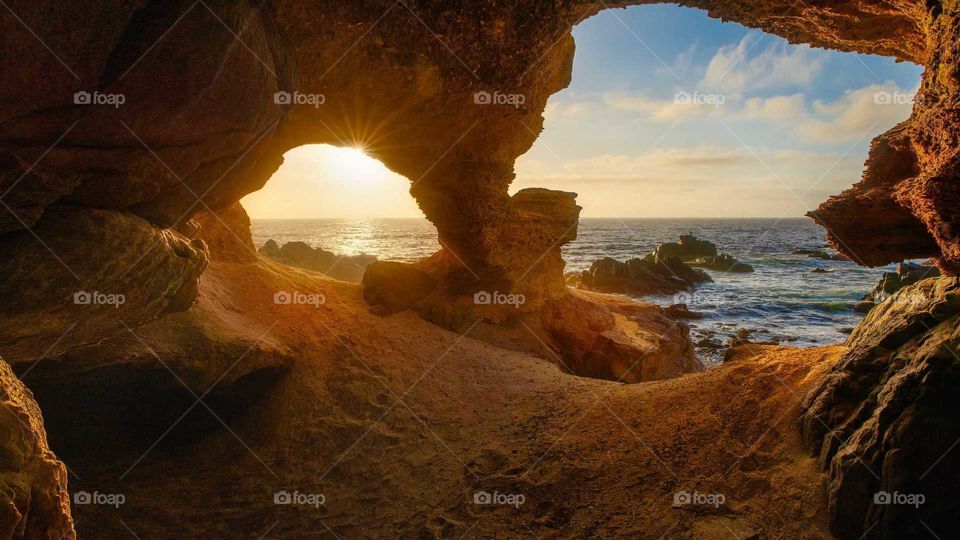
884, 421
34, 502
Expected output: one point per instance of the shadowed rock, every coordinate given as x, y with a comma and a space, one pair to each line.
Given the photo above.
302, 255
649, 275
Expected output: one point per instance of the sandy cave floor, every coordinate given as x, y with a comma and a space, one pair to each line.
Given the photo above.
398, 423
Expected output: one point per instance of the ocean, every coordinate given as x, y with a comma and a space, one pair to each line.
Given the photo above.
781, 300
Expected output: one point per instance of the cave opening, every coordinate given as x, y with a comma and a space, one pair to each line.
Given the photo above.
677, 123
343, 202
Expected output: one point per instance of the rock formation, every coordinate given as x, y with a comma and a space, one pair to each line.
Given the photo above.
34, 502
700, 253
884, 421
721, 263
907, 273
94, 196
301, 255
649, 275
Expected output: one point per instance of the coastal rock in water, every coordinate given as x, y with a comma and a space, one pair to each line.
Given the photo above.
302, 255
34, 502
688, 248
681, 311
907, 273
721, 263
885, 419
389, 286
649, 275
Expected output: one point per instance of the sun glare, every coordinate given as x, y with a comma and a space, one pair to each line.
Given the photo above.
352, 165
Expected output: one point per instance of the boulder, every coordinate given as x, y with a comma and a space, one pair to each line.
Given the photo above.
884, 421
226, 232
681, 311
721, 263
302, 255
688, 248
389, 286
34, 502
649, 275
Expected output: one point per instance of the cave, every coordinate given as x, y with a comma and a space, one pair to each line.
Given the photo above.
129, 132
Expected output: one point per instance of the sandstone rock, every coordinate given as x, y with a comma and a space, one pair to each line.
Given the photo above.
885, 417
226, 232
85, 275
681, 311
270, 249
34, 502
649, 275
389, 287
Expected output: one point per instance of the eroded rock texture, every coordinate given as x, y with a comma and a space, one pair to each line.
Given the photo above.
34, 503
884, 422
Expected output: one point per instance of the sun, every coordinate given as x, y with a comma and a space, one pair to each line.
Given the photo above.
350, 165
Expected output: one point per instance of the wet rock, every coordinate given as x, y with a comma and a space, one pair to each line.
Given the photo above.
649, 275
681, 311
819, 270
34, 502
688, 248
389, 287
302, 255
721, 263
907, 273
884, 419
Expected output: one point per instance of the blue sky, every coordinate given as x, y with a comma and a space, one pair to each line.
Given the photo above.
768, 129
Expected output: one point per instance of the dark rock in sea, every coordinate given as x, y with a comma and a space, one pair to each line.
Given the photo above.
804, 251
884, 420
681, 311
302, 255
742, 337
907, 273
822, 255
707, 343
649, 275
688, 248
864, 306
820, 271
721, 263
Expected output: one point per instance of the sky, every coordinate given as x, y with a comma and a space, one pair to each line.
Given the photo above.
669, 114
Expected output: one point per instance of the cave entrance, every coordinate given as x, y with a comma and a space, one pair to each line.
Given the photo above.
346, 204
678, 123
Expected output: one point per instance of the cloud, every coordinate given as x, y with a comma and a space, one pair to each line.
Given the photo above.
858, 114
683, 105
778, 66
778, 108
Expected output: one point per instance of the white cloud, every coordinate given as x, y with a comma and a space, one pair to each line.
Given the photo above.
778, 66
858, 114
778, 108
